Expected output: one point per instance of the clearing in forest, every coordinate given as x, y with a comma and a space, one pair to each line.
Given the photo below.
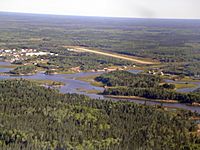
124, 57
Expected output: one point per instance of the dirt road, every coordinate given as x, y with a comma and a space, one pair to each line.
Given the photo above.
124, 57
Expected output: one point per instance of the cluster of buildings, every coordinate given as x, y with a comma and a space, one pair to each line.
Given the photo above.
22, 54
78, 69
74, 50
156, 72
110, 69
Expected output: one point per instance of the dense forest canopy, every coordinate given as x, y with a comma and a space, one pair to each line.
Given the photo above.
154, 93
34, 117
125, 78
143, 85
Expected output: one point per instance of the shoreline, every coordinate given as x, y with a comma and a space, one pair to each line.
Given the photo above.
142, 99
194, 104
90, 80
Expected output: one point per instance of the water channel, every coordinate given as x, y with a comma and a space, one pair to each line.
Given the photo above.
73, 85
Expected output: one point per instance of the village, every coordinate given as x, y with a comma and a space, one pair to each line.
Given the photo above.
13, 55
22, 55
34, 57
27, 57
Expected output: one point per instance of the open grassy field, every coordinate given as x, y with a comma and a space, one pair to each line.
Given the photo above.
89, 91
91, 80
8, 66
184, 85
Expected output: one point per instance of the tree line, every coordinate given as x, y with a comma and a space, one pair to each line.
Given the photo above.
143, 85
154, 93
125, 78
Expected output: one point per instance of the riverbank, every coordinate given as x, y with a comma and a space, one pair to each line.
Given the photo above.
50, 83
78, 83
89, 91
185, 85
45, 83
91, 80
141, 98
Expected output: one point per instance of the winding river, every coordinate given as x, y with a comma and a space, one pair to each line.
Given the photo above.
72, 85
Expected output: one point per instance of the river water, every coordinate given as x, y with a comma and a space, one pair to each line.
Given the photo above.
72, 85
185, 90
5, 69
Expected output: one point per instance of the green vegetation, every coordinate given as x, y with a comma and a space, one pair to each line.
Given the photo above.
58, 71
185, 85
47, 82
173, 42
33, 117
148, 86
169, 86
88, 91
85, 61
188, 69
24, 70
188, 79
197, 91
91, 80
154, 93
125, 78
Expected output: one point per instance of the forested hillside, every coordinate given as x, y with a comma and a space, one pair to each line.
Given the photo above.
33, 117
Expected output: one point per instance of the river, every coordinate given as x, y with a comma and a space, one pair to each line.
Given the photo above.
185, 90
72, 85
4, 69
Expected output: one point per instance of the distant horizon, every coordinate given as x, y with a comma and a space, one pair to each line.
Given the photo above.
114, 17
158, 9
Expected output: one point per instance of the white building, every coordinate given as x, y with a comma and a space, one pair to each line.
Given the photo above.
37, 54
